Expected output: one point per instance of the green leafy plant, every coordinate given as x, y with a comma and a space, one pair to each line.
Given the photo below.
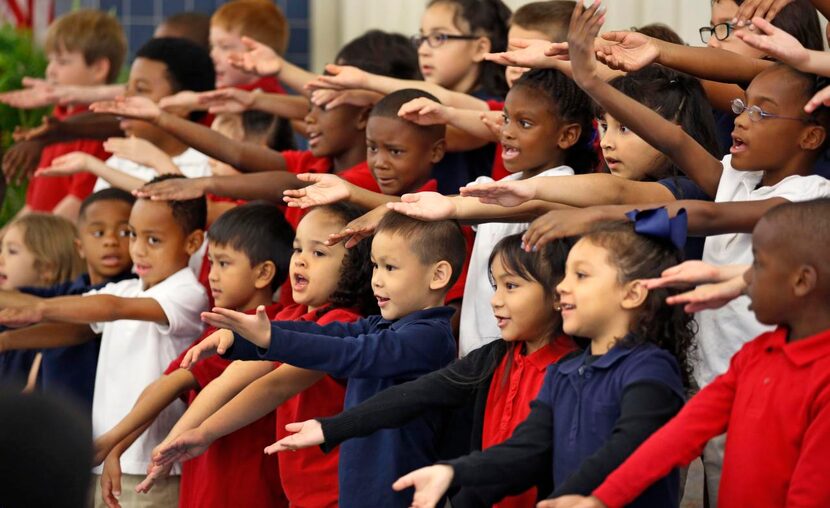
19, 56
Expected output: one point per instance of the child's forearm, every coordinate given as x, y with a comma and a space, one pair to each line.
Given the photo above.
85, 126
472, 211
45, 336
246, 157
664, 135
114, 177
367, 199
260, 398
295, 77
818, 62
387, 85
287, 106
217, 393
710, 63
13, 298
100, 308
469, 121
598, 189
269, 186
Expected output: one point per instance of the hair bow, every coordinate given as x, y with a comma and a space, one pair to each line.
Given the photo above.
657, 223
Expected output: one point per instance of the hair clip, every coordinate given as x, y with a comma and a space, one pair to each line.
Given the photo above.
657, 224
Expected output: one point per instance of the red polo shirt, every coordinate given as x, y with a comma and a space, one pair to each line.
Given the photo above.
499, 171
516, 381
774, 404
252, 481
309, 476
45, 192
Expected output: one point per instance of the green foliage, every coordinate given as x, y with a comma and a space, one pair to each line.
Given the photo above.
19, 57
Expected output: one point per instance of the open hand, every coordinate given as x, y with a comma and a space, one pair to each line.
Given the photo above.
154, 473
256, 328
340, 77
140, 108
431, 483
558, 224
630, 51
140, 151
423, 111
774, 42
503, 193
259, 59
70, 164
709, 296
189, 444
687, 273
324, 189
425, 206
358, 229
308, 433
36, 93
111, 481
327, 98
186, 101
17, 317
530, 53
21, 160
766, 9
176, 189
585, 25
217, 342
494, 121
226, 100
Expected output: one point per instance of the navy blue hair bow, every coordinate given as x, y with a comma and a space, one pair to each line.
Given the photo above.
656, 223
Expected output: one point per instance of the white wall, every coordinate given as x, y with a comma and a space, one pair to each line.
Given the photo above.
335, 22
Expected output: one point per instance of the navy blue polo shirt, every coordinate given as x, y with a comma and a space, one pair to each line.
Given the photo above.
373, 354
585, 400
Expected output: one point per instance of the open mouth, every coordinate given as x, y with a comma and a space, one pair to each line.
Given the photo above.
509, 152
300, 282
314, 138
502, 321
111, 260
738, 145
141, 269
382, 301
3, 278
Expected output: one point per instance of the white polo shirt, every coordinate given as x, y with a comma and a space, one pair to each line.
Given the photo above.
135, 353
191, 163
722, 332
478, 325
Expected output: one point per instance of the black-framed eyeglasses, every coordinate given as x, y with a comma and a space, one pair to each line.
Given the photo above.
756, 114
438, 39
721, 31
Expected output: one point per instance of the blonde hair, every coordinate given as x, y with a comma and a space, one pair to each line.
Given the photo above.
51, 240
94, 33
260, 20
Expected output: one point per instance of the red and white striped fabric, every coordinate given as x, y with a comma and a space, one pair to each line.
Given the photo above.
34, 14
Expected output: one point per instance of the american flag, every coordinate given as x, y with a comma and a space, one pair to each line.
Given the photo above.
34, 14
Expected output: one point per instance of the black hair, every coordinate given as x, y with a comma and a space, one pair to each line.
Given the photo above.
431, 242
389, 106
800, 19
278, 133
488, 18
259, 230
382, 53
354, 287
811, 85
645, 257
809, 221
568, 103
189, 66
108, 194
661, 31
675, 96
551, 17
191, 214
545, 266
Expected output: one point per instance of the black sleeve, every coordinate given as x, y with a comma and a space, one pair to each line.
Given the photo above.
645, 407
393, 407
521, 462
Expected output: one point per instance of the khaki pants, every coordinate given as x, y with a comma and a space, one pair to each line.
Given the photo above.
164, 494
712, 465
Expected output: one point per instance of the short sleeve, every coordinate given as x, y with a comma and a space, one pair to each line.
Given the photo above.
110, 289
802, 188
682, 187
297, 161
181, 304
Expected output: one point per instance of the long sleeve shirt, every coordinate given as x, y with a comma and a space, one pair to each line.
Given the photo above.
373, 354
774, 404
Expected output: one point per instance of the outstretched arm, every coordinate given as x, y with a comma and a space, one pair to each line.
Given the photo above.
45, 336
234, 100
86, 310
434, 206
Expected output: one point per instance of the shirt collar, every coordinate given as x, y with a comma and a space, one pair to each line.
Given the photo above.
544, 357
443, 312
804, 351
606, 361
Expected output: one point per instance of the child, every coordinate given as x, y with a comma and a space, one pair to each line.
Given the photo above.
145, 322
85, 48
248, 252
103, 240
547, 132
595, 407
337, 141
496, 383
161, 68
329, 284
414, 264
36, 250
771, 401
191, 25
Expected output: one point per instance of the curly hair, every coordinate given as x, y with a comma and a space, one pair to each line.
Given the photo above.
643, 257
354, 288
568, 103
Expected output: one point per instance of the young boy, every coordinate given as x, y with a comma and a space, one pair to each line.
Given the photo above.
161, 68
104, 245
249, 251
85, 48
145, 323
773, 400
415, 264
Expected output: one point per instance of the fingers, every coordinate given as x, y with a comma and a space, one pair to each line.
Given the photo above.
279, 446
819, 99
404, 482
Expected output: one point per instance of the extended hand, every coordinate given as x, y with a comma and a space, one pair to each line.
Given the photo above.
111, 481
140, 108
709, 296
557, 224
258, 59
325, 189
217, 342
423, 111
308, 433
630, 51
358, 229
256, 328
227, 100
431, 483
425, 206
176, 189
16, 317
191, 443
510, 193
775, 42
531, 53
340, 77
584, 28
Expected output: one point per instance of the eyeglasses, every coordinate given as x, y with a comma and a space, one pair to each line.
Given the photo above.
438, 39
756, 114
721, 31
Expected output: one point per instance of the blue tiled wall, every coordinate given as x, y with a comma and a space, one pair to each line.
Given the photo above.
140, 18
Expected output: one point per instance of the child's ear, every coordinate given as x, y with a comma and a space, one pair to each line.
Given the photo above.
569, 135
101, 69
363, 119
439, 148
482, 47
812, 138
79, 248
441, 275
265, 273
805, 281
194, 241
634, 295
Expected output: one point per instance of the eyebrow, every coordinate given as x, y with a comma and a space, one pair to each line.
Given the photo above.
763, 98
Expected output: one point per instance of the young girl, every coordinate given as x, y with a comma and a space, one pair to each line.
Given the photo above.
492, 386
595, 407
329, 284
547, 132
36, 250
